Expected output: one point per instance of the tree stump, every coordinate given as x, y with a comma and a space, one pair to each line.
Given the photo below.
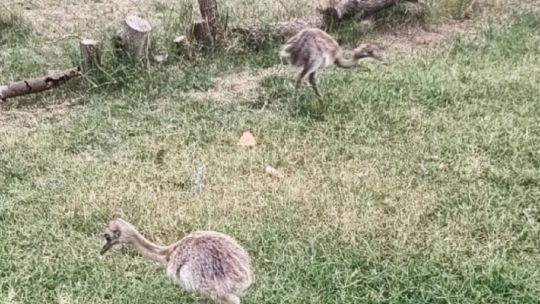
201, 32
90, 54
180, 44
210, 13
133, 37
161, 57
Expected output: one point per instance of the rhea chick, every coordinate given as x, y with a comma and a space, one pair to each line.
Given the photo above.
313, 49
209, 263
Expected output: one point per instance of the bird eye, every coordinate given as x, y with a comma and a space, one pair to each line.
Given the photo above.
107, 237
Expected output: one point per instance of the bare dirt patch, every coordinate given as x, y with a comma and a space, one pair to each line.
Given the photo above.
394, 44
229, 88
421, 38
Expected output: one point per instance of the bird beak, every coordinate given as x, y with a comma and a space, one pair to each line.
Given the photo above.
106, 247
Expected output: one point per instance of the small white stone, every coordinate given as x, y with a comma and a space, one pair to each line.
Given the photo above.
247, 140
273, 172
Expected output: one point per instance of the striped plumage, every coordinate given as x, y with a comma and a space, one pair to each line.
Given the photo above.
313, 49
209, 263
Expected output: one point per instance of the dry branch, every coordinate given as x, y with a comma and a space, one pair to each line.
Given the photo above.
35, 85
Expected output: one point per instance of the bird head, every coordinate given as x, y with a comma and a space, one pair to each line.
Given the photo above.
365, 51
117, 231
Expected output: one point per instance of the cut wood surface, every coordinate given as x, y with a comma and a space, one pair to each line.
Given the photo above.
133, 37
35, 85
90, 54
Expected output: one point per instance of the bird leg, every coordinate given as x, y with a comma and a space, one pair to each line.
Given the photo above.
313, 83
300, 78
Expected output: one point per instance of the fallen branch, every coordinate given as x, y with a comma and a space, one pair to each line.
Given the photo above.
35, 85
411, 9
342, 10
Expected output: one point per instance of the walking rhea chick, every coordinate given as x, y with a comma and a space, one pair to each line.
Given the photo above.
313, 49
205, 262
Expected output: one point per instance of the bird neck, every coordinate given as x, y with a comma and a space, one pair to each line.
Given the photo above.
153, 251
345, 62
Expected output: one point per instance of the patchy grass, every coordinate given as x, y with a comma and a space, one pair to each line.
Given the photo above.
13, 27
457, 9
420, 184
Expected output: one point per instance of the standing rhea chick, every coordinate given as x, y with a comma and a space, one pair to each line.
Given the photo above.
313, 49
209, 263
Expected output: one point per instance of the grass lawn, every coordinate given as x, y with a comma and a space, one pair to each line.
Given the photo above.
420, 183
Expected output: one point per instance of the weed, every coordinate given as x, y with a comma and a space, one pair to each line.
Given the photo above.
419, 186
13, 27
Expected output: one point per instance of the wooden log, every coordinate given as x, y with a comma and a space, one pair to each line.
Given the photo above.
133, 37
347, 8
340, 11
210, 13
35, 85
201, 32
90, 54
411, 9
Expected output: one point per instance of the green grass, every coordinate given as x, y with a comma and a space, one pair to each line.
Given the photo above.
420, 184
457, 9
13, 27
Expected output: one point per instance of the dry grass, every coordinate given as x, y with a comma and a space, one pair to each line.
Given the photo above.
418, 185
92, 17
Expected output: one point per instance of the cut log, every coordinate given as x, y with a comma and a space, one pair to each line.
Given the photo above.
90, 54
201, 32
210, 13
340, 11
133, 37
411, 9
35, 85
347, 8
